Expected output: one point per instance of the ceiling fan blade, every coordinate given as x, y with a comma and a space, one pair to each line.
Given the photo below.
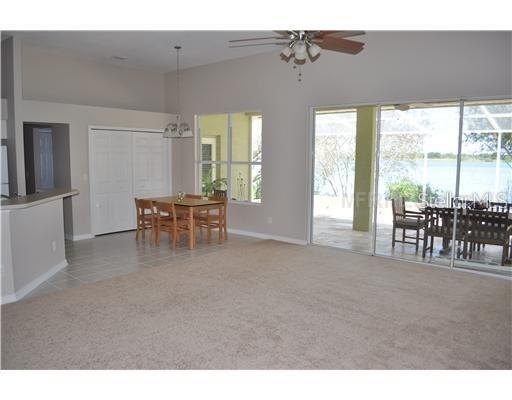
259, 44
322, 34
260, 38
339, 44
345, 34
339, 34
284, 34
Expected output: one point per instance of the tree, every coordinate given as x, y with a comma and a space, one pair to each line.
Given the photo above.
488, 143
397, 154
335, 162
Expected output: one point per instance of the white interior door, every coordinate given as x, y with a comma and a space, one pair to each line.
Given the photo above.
43, 146
111, 182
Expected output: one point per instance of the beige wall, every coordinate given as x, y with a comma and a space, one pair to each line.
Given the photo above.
11, 91
56, 76
79, 119
33, 250
6, 256
394, 67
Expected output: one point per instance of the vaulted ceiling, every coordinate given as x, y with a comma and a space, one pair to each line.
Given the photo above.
150, 50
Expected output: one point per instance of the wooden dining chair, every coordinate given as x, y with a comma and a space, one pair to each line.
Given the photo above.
214, 219
197, 213
406, 220
175, 226
461, 203
500, 207
220, 193
224, 198
145, 218
488, 227
439, 223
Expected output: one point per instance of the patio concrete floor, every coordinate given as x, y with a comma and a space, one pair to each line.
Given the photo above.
339, 233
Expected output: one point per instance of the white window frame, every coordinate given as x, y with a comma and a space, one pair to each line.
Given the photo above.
229, 163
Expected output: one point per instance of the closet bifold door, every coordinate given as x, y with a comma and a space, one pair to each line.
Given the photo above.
150, 174
111, 181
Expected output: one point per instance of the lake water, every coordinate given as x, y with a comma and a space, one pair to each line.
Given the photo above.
476, 176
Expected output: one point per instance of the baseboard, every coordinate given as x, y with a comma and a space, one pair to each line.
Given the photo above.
10, 298
75, 238
18, 295
266, 236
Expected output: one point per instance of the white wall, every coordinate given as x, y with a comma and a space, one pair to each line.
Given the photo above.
79, 119
56, 76
394, 67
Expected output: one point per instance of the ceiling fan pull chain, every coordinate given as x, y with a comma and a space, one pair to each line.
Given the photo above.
299, 75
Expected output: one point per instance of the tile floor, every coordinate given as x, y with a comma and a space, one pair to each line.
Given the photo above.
117, 254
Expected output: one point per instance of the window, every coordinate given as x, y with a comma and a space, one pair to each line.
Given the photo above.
229, 149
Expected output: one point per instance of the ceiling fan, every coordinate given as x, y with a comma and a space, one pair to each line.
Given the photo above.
298, 44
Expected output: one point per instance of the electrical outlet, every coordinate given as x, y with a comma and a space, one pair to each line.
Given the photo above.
269, 220
54, 246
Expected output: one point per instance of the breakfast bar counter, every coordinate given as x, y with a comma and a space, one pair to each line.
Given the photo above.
33, 246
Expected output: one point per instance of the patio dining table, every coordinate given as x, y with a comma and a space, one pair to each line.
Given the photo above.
191, 206
447, 242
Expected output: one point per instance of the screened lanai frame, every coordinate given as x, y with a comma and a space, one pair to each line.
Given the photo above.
379, 106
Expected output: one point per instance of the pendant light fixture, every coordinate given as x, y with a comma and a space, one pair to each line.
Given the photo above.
178, 129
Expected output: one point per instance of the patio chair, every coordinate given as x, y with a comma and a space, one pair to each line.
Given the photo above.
461, 203
406, 220
500, 207
494, 207
439, 223
488, 227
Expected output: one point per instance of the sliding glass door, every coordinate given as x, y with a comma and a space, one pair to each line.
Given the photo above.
486, 184
344, 145
417, 168
417, 182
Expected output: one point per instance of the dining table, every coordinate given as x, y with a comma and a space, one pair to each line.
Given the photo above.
446, 248
191, 206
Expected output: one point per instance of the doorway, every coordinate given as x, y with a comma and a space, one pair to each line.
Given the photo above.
47, 162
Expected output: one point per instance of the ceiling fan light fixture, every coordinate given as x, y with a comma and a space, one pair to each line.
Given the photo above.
300, 50
286, 52
314, 50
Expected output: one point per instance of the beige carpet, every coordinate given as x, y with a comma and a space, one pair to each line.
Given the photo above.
268, 305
